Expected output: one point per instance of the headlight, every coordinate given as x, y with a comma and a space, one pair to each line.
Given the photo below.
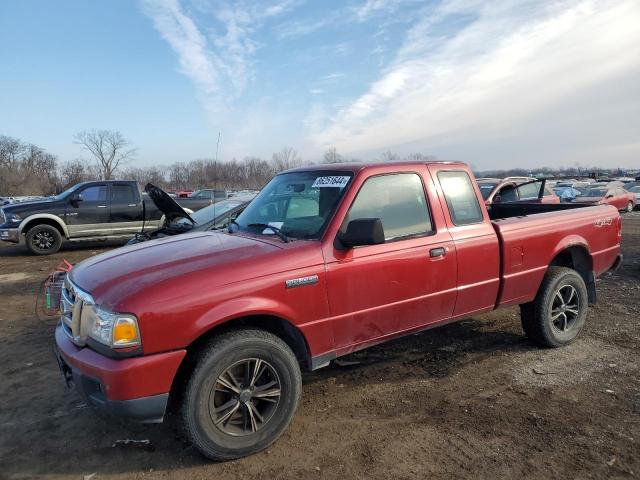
12, 218
115, 330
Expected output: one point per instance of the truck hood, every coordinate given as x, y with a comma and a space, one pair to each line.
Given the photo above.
167, 205
33, 206
208, 259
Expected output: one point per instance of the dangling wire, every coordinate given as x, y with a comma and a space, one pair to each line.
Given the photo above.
48, 297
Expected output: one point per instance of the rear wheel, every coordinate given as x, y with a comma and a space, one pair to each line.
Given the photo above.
43, 240
557, 314
629, 207
242, 394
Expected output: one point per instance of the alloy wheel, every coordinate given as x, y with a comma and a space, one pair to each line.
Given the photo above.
43, 240
245, 397
565, 308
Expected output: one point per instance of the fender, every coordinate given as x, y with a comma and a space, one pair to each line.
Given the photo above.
568, 242
48, 216
237, 308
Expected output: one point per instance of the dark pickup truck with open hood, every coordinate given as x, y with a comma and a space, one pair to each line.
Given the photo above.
323, 262
99, 210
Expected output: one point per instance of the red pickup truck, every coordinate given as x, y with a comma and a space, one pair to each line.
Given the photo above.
323, 262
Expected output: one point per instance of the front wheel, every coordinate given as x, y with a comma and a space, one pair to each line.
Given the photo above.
242, 394
43, 240
557, 314
629, 208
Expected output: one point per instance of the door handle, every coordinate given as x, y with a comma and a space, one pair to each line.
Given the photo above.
437, 252
101, 206
132, 205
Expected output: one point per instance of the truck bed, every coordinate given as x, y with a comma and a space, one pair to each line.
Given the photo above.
532, 235
508, 210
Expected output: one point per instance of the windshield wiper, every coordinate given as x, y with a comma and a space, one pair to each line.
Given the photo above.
275, 230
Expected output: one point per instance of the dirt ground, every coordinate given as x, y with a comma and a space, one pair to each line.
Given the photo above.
469, 400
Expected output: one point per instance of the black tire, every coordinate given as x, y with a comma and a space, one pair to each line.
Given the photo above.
205, 398
541, 319
629, 208
43, 240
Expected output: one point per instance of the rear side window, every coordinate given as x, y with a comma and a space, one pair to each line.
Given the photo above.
123, 193
399, 202
461, 197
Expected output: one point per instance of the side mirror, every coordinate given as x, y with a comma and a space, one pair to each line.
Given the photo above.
363, 231
609, 196
75, 199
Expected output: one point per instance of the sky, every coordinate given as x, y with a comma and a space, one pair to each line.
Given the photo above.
499, 84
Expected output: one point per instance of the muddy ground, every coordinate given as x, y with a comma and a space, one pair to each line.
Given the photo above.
469, 400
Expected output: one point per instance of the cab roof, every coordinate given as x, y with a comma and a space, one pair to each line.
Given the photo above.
358, 166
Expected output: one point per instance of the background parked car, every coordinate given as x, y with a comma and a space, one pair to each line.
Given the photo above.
181, 193
566, 193
610, 194
515, 189
635, 190
212, 217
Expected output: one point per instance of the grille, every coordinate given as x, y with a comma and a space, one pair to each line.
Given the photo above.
72, 302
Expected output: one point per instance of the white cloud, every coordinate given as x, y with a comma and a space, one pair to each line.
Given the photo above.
512, 63
370, 8
217, 57
180, 31
294, 29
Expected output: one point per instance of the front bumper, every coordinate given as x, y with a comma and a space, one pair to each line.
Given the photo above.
136, 388
10, 235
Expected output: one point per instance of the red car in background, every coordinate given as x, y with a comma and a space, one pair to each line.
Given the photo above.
182, 193
515, 189
614, 195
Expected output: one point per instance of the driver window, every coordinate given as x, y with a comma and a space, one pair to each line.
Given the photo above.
399, 202
95, 193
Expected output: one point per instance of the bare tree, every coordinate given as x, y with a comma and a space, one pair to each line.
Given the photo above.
73, 172
421, 157
332, 156
285, 159
109, 149
26, 169
389, 156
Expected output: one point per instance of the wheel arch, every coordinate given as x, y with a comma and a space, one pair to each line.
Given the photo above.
275, 324
577, 257
46, 219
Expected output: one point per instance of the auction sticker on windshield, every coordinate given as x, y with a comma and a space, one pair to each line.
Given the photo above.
332, 181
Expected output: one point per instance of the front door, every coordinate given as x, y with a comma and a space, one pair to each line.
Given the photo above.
410, 280
89, 215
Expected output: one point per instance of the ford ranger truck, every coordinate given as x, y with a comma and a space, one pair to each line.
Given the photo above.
325, 261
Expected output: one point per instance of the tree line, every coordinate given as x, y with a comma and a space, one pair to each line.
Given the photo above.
27, 169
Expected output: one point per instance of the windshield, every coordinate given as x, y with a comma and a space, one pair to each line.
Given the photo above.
208, 214
486, 189
300, 204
